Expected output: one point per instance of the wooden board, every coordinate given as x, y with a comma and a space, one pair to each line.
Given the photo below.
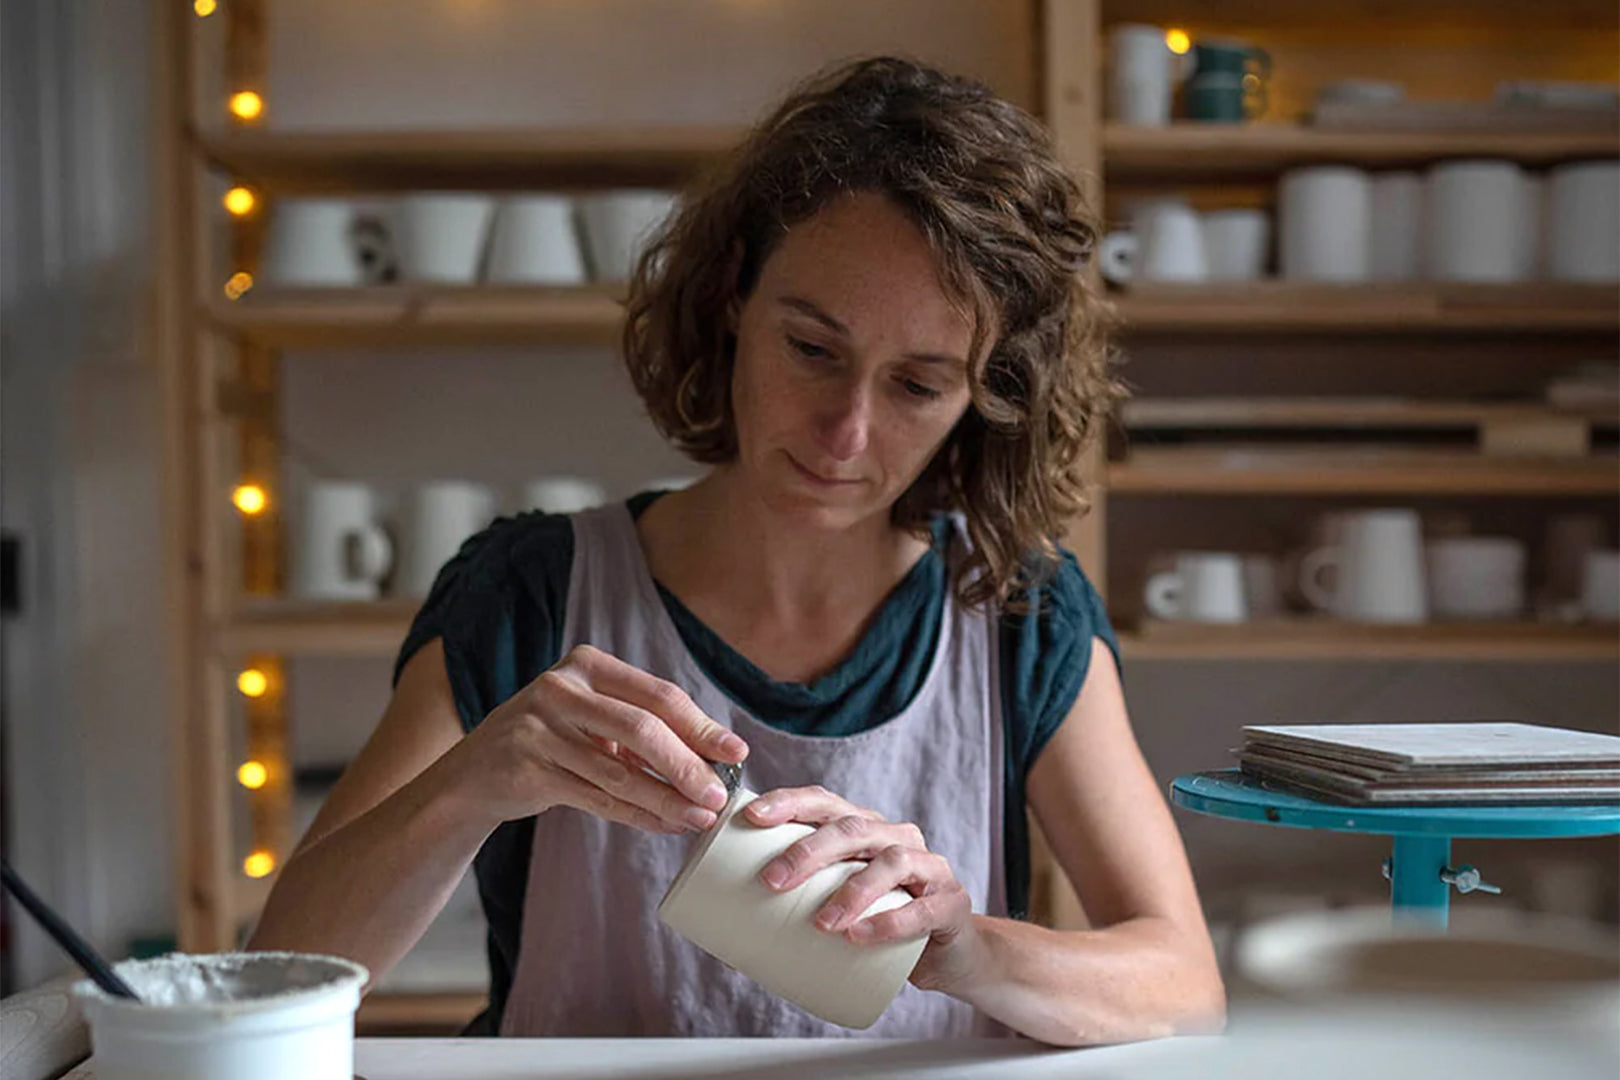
1421, 744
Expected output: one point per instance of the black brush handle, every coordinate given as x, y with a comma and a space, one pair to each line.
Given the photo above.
78, 948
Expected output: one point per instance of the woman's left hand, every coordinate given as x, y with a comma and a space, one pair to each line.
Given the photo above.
897, 857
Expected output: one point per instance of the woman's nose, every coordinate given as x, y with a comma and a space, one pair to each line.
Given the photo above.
845, 423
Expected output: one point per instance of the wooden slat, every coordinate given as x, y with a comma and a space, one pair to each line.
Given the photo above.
1254, 412
1371, 308
407, 315
1326, 639
1383, 14
337, 629
1201, 153
1275, 471
499, 158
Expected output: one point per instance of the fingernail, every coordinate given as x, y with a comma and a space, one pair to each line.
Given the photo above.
774, 876
699, 818
829, 916
762, 806
732, 745
714, 797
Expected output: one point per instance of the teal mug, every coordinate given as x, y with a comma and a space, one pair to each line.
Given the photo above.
1228, 82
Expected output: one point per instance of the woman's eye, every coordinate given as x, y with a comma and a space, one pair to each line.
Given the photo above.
805, 349
919, 390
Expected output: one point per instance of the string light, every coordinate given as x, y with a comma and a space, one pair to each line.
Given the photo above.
239, 283
252, 775
259, 864
250, 499
253, 683
240, 201
1178, 40
205, 8
246, 105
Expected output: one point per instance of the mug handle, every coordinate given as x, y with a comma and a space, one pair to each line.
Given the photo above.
1163, 595
368, 553
1116, 257
1310, 576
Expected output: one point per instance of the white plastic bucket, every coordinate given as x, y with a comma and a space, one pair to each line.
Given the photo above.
246, 1016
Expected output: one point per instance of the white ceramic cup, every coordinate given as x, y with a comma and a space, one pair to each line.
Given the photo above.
439, 517
342, 554
310, 243
1583, 221
1476, 577
617, 225
1476, 227
1236, 243
439, 236
1141, 75
1166, 243
718, 903
563, 494
1378, 565
1324, 216
1600, 586
1205, 586
1397, 219
534, 242
286, 1016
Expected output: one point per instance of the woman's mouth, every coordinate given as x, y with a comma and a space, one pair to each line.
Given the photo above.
817, 479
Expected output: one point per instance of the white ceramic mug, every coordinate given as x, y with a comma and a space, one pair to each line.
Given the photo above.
1476, 225
1166, 243
1141, 75
1205, 586
310, 243
1378, 564
1600, 586
342, 554
1583, 221
439, 236
440, 516
617, 225
1236, 243
718, 903
1324, 216
1397, 217
1476, 577
535, 242
563, 494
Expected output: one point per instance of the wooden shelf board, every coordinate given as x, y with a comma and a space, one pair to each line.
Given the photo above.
409, 314
1308, 638
1381, 14
1201, 153
334, 629
1344, 471
384, 1012
1342, 411
1371, 308
293, 161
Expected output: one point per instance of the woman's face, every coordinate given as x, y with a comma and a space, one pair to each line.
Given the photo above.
851, 366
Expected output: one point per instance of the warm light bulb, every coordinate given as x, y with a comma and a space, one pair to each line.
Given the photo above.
239, 283
259, 864
250, 498
204, 8
253, 683
240, 201
246, 105
1178, 41
252, 775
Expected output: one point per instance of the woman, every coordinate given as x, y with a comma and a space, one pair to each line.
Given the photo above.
871, 325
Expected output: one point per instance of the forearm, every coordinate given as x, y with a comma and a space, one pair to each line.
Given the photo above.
1139, 979
368, 889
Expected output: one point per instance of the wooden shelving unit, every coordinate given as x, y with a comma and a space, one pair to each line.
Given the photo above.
1325, 639
220, 365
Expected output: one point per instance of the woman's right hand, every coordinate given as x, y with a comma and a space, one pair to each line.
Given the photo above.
585, 733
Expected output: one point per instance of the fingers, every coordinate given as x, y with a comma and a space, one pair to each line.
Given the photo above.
609, 675
583, 795
812, 805
922, 873
849, 837
938, 915
622, 783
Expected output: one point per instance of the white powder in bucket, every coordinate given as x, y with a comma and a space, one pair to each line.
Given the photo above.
179, 979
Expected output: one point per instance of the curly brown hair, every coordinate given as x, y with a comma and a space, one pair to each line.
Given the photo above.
980, 180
